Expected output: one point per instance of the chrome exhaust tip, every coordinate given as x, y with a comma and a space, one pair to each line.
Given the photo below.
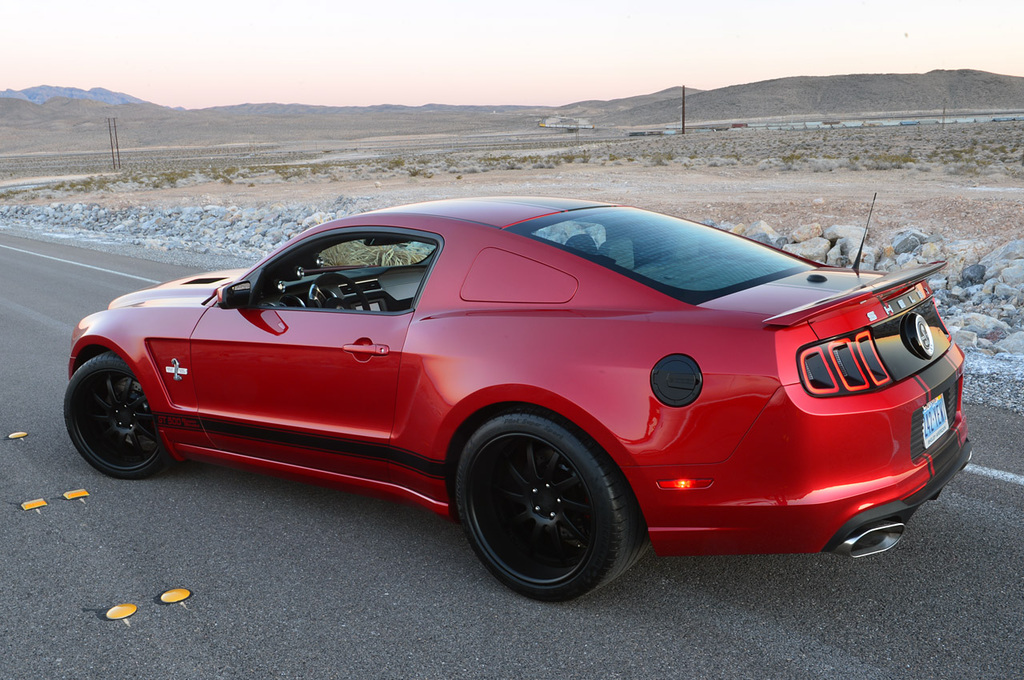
872, 539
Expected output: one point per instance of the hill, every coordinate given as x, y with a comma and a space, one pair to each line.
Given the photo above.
962, 91
73, 124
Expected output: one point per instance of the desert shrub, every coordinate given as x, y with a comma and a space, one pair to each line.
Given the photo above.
822, 165
889, 161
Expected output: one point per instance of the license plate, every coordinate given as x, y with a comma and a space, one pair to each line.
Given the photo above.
934, 423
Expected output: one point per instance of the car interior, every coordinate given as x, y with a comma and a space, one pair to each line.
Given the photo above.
367, 272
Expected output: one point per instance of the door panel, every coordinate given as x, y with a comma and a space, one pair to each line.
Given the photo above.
280, 384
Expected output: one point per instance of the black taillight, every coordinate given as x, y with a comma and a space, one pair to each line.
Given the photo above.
844, 365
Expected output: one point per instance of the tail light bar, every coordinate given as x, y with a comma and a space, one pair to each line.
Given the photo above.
842, 366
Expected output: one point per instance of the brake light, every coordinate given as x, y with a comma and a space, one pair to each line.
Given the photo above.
841, 366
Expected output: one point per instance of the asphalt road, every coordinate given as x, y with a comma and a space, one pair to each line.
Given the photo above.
293, 581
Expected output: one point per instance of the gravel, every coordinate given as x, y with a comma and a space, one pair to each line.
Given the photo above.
995, 381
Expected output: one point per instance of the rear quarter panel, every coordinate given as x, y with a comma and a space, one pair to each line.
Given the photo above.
588, 359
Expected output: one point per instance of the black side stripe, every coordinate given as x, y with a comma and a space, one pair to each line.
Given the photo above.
319, 443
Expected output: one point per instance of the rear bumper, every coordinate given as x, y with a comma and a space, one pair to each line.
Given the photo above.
811, 472
948, 461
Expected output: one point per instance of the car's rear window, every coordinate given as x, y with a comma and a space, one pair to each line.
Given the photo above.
689, 261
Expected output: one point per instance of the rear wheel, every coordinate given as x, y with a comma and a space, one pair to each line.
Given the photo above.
108, 418
545, 509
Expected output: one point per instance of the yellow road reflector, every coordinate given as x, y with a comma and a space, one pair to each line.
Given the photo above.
17, 435
77, 493
121, 611
33, 505
175, 595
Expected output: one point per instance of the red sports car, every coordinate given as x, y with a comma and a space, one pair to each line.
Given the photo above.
569, 380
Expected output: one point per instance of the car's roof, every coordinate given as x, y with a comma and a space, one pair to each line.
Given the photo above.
497, 211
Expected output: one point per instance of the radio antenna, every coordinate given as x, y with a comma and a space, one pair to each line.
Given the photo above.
856, 262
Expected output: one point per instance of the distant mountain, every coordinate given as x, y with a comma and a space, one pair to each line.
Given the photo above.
80, 123
269, 109
803, 97
43, 93
795, 97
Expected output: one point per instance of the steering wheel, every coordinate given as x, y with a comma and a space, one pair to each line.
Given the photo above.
319, 295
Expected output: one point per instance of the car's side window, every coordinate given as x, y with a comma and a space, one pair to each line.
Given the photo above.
362, 271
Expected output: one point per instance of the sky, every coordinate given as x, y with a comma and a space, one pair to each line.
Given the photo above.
201, 53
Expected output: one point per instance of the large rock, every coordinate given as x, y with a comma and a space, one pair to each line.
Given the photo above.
840, 231
843, 253
806, 232
983, 322
1014, 250
931, 251
813, 249
1013, 343
1013, 275
905, 242
965, 338
973, 274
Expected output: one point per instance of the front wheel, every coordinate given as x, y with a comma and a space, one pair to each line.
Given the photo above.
108, 418
545, 509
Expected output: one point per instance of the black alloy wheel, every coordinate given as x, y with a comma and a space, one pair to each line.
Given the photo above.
108, 418
545, 509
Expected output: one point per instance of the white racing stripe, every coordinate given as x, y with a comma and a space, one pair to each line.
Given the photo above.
79, 264
996, 474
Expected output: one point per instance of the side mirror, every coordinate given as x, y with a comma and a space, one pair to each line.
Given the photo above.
235, 295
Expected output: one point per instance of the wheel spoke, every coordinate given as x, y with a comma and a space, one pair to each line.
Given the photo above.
563, 486
103, 404
517, 476
519, 520
567, 523
574, 506
145, 434
556, 542
531, 461
515, 496
549, 469
535, 537
138, 404
116, 390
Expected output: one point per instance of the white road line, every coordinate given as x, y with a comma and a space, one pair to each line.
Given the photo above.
87, 266
996, 474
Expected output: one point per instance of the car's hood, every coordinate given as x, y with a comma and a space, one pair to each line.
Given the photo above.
189, 291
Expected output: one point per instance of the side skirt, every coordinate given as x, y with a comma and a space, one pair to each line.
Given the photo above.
331, 480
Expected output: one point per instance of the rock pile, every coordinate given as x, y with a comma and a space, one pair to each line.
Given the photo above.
981, 293
243, 233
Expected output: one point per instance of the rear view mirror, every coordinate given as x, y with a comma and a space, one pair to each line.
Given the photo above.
234, 295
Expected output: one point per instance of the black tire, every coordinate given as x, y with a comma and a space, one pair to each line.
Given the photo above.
545, 509
108, 418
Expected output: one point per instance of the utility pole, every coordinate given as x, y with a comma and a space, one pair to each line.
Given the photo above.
117, 145
115, 149
682, 115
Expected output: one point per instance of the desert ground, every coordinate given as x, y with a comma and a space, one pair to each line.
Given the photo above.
958, 181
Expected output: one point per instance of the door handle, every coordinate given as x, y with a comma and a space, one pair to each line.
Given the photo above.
367, 350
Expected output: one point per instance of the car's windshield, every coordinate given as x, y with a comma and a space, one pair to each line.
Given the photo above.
689, 261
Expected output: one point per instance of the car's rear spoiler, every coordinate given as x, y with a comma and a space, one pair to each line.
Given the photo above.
894, 281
